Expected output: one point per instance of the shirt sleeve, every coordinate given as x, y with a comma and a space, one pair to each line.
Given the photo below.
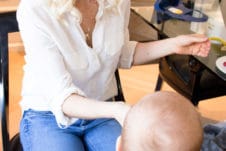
128, 49
45, 64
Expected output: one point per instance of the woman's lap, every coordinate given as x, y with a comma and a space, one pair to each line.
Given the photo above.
39, 131
103, 137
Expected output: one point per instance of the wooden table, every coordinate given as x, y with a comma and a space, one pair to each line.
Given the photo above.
142, 2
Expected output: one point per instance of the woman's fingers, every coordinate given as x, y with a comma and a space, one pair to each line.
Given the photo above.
199, 49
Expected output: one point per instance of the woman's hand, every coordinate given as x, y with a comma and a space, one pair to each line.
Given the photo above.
194, 44
121, 112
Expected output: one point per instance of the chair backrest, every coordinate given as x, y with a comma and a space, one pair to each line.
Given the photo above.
8, 23
120, 96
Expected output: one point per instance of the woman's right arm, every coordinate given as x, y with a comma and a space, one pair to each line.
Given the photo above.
85, 108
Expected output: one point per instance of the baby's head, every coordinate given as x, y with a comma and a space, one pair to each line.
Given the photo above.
162, 121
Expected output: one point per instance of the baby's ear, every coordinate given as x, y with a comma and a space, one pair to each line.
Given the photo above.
119, 144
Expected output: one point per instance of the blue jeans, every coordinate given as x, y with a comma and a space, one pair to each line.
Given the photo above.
39, 132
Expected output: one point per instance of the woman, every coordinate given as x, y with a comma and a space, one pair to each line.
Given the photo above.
73, 48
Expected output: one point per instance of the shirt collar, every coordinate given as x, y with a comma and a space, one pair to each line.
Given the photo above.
112, 6
109, 5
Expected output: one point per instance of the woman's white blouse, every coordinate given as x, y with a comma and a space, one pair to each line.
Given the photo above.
59, 62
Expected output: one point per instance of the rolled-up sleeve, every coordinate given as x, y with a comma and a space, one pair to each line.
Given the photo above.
128, 49
126, 58
46, 75
56, 105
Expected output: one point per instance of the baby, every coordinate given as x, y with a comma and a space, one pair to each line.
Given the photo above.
162, 121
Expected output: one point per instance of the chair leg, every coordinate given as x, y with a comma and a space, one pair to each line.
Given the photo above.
158, 84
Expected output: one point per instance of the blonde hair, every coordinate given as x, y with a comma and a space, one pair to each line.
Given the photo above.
59, 7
